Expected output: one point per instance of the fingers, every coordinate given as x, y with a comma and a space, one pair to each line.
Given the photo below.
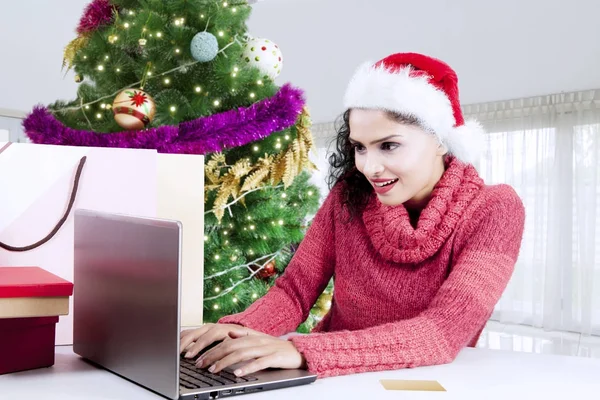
267, 361
240, 355
214, 334
189, 336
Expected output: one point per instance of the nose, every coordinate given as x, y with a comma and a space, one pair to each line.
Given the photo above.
373, 165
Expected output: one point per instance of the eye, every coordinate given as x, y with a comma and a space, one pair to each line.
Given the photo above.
359, 148
388, 146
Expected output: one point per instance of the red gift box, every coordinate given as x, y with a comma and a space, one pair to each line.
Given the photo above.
31, 300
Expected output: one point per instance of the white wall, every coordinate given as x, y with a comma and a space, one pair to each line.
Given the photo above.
501, 49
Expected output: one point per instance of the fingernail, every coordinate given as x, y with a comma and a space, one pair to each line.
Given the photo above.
199, 363
212, 368
237, 372
188, 354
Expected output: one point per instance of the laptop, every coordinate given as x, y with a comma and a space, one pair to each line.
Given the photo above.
126, 310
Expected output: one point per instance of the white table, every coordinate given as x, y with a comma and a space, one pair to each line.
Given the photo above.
475, 374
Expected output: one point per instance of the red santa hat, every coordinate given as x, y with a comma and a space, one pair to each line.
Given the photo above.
422, 87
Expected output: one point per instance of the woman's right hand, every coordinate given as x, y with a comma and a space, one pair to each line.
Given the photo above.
193, 341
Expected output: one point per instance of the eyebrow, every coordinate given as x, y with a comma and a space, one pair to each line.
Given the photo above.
376, 141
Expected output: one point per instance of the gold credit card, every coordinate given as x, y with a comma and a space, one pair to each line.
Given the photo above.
428, 386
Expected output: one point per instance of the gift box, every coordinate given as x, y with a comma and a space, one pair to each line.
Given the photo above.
31, 301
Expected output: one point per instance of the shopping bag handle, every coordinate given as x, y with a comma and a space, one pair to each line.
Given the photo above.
60, 222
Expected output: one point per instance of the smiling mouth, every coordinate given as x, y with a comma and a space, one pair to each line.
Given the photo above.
383, 184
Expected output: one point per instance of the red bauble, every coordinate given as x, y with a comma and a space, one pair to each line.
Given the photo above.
267, 271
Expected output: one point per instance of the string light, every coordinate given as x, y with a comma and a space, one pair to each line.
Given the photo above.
225, 4
126, 25
198, 89
259, 82
283, 195
206, 238
221, 33
255, 148
177, 51
103, 105
131, 12
287, 137
217, 257
249, 218
87, 107
234, 9
173, 108
252, 95
280, 222
100, 67
217, 290
216, 306
278, 146
201, 15
234, 74
254, 295
118, 69
99, 116
106, 57
310, 192
167, 81
216, 103
235, 300
158, 34
252, 227
149, 73
225, 233
85, 57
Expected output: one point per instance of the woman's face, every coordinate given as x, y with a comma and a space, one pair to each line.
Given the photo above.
402, 162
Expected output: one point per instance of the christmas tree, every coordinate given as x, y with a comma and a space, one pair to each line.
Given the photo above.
185, 76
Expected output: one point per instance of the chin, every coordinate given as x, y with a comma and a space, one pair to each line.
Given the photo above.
391, 200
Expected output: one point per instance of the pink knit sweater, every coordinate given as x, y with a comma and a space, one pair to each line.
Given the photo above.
403, 297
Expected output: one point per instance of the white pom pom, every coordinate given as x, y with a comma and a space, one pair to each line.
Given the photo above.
467, 142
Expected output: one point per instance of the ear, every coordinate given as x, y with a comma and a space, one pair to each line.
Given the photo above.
442, 150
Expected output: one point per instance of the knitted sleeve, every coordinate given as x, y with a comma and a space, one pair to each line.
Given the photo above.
486, 255
288, 303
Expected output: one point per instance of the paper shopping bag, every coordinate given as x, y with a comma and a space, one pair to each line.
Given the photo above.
38, 183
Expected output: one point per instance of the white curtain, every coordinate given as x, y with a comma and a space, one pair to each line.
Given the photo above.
548, 149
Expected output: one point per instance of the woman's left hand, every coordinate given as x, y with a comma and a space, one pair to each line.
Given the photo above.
268, 352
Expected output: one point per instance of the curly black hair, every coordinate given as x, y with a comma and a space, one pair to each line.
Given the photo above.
356, 190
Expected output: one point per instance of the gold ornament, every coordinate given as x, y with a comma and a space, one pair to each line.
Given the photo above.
133, 109
285, 166
112, 39
142, 42
323, 304
78, 78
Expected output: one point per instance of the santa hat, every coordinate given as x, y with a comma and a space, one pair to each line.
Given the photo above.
422, 87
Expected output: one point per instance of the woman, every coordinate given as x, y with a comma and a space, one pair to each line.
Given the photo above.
420, 247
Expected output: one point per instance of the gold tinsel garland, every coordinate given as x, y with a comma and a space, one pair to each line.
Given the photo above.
271, 169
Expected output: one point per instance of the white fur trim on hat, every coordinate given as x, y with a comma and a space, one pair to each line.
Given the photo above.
466, 142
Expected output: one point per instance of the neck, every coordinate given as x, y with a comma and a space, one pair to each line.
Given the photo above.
420, 200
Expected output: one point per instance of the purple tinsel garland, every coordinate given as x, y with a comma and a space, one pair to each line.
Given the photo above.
203, 135
97, 13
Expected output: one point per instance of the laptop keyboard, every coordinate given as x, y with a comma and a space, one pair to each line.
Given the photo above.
192, 377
